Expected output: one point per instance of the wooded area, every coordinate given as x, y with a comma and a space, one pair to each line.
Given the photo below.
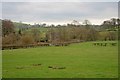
20, 34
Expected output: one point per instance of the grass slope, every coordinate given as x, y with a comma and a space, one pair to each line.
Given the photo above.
83, 60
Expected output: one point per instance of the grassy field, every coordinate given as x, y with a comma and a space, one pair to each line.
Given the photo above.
83, 60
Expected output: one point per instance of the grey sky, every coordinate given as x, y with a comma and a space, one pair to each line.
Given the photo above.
59, 12
59, 0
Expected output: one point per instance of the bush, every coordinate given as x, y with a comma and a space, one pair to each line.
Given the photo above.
108, 35
26, 39
9, 39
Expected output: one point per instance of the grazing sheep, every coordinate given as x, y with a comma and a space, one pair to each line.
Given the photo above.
94, 44
98, 44
36, 64
56, 67
113, 44
19, 67
105, 44
49, 66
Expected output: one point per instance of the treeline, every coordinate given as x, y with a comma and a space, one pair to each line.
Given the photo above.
77, 34
58, 34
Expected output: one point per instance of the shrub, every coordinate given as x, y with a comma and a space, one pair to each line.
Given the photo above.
26, 39
9, 39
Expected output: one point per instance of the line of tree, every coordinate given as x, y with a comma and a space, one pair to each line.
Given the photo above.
112, 23
73, 32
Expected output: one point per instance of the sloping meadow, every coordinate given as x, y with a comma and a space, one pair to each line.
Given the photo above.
79, 60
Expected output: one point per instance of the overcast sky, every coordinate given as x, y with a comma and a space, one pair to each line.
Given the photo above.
59, 12
59, 0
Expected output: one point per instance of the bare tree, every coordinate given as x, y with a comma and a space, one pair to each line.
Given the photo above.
36, 34
7, 27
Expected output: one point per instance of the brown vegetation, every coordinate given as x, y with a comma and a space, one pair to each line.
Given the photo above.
60, 35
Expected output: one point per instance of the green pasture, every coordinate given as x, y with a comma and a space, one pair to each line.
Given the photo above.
80, 60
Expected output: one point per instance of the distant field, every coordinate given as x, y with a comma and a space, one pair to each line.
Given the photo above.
83, 60
42, 30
